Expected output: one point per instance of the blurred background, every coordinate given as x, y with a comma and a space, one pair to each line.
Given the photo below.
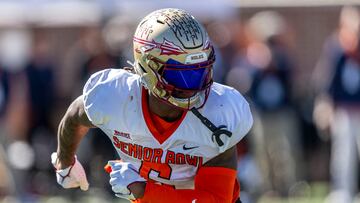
297, 62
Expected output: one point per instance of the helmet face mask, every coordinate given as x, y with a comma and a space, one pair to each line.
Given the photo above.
174, 58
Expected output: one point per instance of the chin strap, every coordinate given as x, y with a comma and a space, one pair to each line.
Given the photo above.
217, 131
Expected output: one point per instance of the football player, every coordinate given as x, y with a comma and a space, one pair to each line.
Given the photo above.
173, 128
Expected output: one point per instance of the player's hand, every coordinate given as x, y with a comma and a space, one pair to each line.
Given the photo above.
123, 175
71, 177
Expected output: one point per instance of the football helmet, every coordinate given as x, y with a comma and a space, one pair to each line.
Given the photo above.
174, 57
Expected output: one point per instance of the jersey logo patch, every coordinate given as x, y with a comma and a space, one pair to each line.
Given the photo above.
188, 148
122, 134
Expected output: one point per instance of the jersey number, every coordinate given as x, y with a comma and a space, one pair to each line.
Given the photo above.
163, 170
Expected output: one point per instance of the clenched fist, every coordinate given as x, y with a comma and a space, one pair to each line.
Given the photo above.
71, 177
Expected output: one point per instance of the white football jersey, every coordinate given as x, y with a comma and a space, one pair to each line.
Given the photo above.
112, 100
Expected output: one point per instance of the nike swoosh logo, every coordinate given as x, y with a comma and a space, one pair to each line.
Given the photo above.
188, 148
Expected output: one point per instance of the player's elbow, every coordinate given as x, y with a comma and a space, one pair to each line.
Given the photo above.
72, 113
75, 115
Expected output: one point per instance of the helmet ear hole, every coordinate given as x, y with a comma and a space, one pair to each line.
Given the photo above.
153, 65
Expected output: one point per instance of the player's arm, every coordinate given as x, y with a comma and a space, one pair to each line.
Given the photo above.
228, 159
72, 128
215, 182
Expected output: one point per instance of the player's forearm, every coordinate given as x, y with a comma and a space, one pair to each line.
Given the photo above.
73, 126
69, 137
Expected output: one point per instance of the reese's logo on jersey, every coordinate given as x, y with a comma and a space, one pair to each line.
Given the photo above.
122, 134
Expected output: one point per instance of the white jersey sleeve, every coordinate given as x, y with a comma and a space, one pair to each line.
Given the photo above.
241, 116
99, 92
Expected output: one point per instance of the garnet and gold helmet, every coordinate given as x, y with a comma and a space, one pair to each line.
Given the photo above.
174, 58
